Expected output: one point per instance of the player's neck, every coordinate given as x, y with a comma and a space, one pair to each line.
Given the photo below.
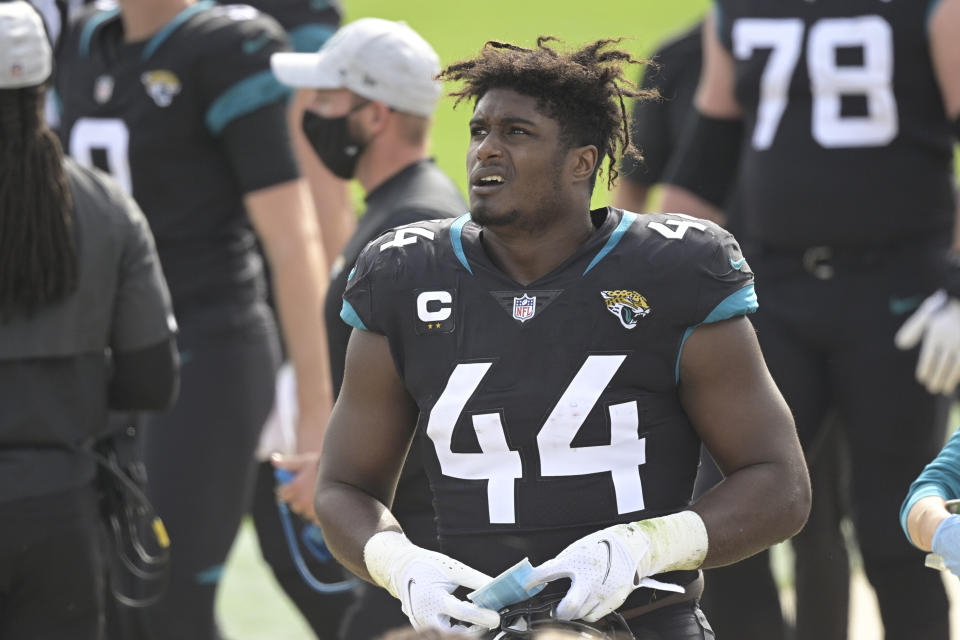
143, 18
527, 255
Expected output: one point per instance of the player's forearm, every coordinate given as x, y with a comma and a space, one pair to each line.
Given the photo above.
349, 517
924, 518
299, 287
284, 218
753, 509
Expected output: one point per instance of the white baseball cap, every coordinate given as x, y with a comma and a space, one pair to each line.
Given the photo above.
374, 58
26, 59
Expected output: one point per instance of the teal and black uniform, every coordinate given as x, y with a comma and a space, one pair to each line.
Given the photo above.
550, 411
308, 23
418, 192
940, 478
845, 204
189, 121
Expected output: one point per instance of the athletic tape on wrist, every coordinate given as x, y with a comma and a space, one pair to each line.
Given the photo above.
382, 553
676, 542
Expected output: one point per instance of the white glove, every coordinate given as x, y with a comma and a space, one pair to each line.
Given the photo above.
606, 566
424, 582
937, 323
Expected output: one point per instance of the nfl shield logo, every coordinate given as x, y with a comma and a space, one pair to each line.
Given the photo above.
103, 89
524, 307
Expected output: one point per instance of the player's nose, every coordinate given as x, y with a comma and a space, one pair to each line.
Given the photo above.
488, 147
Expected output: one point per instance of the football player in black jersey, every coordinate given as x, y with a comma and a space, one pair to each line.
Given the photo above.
373, 91
176, 99
564, 365
841, 118
657, 127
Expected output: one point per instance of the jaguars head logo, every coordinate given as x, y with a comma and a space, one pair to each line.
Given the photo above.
628, 306
163, 86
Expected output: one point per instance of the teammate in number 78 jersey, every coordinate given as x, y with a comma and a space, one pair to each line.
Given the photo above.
565, 365
841, 117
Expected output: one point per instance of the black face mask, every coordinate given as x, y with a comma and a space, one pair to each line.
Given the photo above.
331, 139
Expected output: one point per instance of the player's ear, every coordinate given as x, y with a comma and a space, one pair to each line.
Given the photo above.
582, 161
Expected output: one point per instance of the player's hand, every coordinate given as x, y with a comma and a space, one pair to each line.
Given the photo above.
946, 543
298, 493
606, 566
937, 323
424, 582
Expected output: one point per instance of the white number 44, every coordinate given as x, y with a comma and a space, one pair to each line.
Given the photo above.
501, 466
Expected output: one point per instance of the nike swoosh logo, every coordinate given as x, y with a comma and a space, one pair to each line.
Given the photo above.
250, 47
410, 583
900, 306
609, 559
737, 264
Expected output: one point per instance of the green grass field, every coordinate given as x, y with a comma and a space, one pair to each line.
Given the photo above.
250, 605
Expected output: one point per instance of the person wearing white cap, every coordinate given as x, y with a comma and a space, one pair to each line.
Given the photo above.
374, 91
86, 325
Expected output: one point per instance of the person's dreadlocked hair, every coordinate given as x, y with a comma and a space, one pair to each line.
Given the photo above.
38, 254
582, 90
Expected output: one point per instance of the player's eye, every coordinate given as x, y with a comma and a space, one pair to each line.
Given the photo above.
518, 131
477, 131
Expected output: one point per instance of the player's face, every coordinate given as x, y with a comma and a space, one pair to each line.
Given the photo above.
514, 162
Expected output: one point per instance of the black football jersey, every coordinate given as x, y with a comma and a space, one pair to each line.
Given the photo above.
309, 23
846, 139
550, 410
155, 115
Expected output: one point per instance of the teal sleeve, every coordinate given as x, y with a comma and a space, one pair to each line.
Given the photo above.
939, 478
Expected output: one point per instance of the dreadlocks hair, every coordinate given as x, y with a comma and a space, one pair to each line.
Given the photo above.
38, 254
583, 90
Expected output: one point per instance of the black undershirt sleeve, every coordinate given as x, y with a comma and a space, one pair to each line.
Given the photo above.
145, 379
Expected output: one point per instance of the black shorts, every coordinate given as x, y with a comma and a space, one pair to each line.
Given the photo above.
682, 621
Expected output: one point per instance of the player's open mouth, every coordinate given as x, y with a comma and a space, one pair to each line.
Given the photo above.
487, 182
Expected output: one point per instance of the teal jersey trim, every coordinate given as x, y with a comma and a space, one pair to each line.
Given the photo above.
172, 26
349, 315
244, 97
310, 37
628, 219
87, 34
738, 303
456, 239
939, 478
